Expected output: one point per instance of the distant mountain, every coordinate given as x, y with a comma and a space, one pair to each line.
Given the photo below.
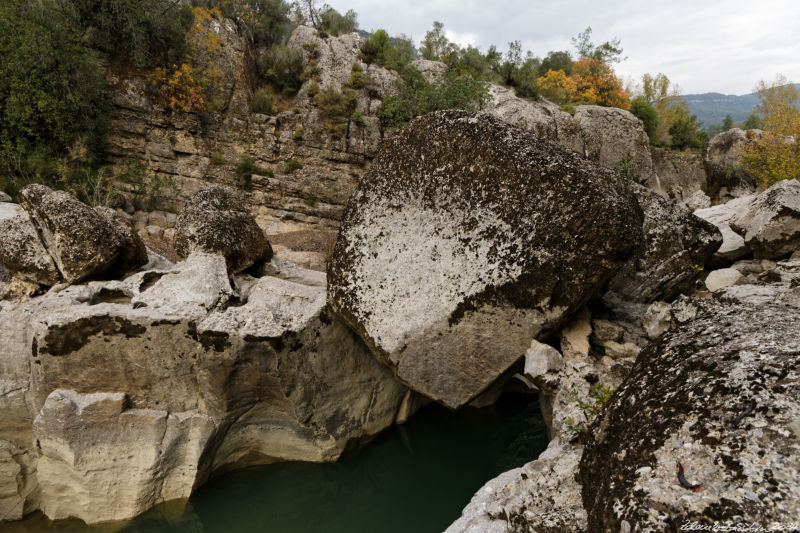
711, 108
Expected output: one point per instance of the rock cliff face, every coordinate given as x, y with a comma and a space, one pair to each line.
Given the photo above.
170, 375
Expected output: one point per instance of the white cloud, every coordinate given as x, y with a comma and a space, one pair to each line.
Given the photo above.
725, 46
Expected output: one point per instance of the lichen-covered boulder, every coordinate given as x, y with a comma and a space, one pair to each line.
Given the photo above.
80, 240
676, 245
133, 252
215, 221
704, 428
771, 223
21, 250
466, 239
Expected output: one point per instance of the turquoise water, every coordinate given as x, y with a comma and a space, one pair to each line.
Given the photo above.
412, 478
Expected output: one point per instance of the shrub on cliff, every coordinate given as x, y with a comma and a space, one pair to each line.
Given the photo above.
282, 67
645, 112
416, 96
266, 21
394, 53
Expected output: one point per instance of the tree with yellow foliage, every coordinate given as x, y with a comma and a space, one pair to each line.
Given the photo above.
665, 98
558, 87
775, 156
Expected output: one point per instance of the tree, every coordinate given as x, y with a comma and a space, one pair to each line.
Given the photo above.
435, 45
310, 11
644, 111
608, 52
685, 133
751, 123
775, 156
665, 98
727, 123
598, 84
556, 61
52, 94
558, 87
334, 23
391, 52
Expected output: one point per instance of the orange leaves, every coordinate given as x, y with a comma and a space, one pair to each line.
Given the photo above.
558, 87
180, 87
598, 84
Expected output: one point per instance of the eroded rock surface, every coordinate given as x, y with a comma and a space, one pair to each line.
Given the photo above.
172, 374
718, 396
21, 249
726, 176
771, 223
466, 239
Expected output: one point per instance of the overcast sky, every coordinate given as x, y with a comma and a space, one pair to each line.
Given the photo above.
721, 46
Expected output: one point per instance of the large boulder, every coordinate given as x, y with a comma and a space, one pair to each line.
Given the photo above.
726, 176
466, 239
704, 428
771, 223
80, 240
676, 246
21, 250
133, 253
679, 175
613, 137
215, 221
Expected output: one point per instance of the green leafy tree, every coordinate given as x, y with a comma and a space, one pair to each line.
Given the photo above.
282, 67
52, 94
645, 112
556, 61
391, 52
334, 23
685, 133
435, 45
608, 52
753, 122
143, 33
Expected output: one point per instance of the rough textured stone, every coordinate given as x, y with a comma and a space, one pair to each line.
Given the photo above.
133, 252
80, 240
4, 197
676, 246
725, 174
215, 221
21, 249
771, 222
466, 239
733, 246
717, 395
610, 135
679, 176
697, 200
540, 359
575, 336
170, 375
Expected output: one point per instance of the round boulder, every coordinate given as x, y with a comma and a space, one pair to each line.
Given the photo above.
215, 221
466, 239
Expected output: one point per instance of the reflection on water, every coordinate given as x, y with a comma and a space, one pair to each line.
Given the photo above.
413, 478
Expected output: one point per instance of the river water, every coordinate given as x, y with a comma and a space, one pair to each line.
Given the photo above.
414, 478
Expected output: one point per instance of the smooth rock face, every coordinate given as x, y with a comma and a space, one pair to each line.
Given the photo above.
80, 240
717, 395
88, 443
771, 224
676, 245
4, 197
733, 246
170, 375
679, 176
215, 221
540, 359
21, 249
466, 239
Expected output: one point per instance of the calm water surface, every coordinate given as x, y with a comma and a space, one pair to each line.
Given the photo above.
414, 478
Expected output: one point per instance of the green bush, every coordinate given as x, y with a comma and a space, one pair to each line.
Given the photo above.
335, 107
245, 170
52, 96
334, 23
217, 159
282, 67
262, 101
149, 190
291, 166
391, 52
313, 89
645, 112
143, 33
418, 97
685, 133
265, 22
298, 134
356, 76
357, 117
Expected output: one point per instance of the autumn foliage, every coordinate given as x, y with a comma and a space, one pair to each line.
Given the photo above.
184, 87
592, 81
